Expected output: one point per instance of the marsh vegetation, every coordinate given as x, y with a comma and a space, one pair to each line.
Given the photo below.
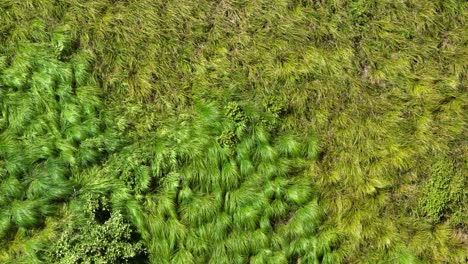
286, 131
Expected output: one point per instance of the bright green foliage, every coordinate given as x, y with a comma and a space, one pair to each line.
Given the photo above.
233, 131
52, 128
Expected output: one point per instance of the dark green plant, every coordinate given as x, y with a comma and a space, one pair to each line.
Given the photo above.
105, 237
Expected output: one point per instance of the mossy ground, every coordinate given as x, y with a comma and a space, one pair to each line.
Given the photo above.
233, 131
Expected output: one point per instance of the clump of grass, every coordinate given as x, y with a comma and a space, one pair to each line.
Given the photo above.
221, 193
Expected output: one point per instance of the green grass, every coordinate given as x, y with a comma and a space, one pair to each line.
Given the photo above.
281, 131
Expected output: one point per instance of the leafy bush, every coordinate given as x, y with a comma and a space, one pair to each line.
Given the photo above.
444, 194
104, 240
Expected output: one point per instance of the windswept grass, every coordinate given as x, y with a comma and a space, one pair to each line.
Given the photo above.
233, 131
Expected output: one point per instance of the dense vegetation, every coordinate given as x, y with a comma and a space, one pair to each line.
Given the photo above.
289, 131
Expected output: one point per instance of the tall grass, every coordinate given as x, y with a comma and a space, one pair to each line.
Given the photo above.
233, 131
